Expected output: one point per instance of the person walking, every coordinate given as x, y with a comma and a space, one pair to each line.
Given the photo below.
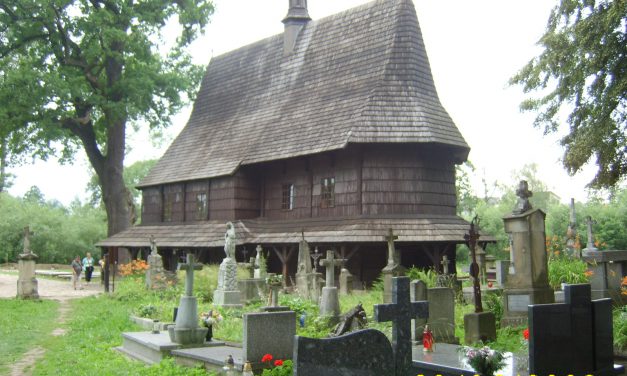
77, 268
88, 267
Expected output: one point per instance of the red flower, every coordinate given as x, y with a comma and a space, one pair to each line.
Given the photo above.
278, 362
266, 358
526, 334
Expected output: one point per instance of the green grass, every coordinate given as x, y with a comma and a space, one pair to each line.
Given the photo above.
23, 323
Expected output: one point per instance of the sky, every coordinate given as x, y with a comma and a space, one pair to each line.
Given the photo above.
474, 47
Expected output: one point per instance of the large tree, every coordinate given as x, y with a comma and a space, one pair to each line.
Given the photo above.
74, 74
581, 74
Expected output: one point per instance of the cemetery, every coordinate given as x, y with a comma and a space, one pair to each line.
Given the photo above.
307, 221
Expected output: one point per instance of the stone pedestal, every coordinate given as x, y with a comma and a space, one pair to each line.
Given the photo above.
479, 327
608, 268
390, 272
186, 330
27, 283
252, 289
227, 293
527, 282
330, 302
155, 277
346, 282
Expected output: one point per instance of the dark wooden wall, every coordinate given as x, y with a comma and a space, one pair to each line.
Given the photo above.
369, 180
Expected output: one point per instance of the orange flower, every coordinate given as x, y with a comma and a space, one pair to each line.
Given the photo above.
588, 273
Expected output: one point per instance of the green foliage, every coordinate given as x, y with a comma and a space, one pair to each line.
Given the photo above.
582, 70
494, 303
428, 276
22, 325
133, 175
620, 328
566, 270
59, 233
146, 310
466, 199
283, 370
74, 74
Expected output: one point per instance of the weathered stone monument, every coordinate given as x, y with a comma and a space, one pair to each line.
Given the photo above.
251, 289
527, 282
227, 293
393, 267
186, 330
346, 281
305, 278
480, 325
590, 247
260, 264
26, 282
155, 277
330, 302
571, 233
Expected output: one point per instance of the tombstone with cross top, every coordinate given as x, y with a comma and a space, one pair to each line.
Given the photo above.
186, 330
393, 267
330, 303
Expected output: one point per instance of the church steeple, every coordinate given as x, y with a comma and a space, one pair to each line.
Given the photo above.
297, 17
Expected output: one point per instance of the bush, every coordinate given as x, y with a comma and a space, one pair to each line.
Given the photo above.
428, 276
494, 303
566, 270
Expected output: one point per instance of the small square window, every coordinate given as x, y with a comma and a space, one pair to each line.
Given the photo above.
327, 192
287, 196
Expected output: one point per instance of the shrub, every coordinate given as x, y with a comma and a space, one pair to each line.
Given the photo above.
566, 270
428, 276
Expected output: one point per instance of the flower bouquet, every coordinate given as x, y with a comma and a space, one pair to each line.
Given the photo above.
485, 361
211, 318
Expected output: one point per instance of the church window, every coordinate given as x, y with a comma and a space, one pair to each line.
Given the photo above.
201, 206
327, 192
167, 207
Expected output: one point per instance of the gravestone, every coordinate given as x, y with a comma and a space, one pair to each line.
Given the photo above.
346, 281
441, 319
26, 281
401, 311
251, 289
330, 302
574, 337
362, 353
608, 268
185, 329
418, 293
528, 281
393, 267
268, 333
305, 278
502, 270
590, 244
155, 277
260, 264
227, 293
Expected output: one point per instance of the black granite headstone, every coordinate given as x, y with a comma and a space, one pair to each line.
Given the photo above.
574, 337
401, 311
361, 353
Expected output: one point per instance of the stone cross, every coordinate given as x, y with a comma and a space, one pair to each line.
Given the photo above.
471, 238
589, 222
392, 256
250, 266
330, 263
153, 246
189, 268
401, 311
523, 194
315, 256
27, 235
445, 261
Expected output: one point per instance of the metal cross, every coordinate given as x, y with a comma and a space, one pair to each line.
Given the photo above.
401, 311
189, 268
471, 238
330, 263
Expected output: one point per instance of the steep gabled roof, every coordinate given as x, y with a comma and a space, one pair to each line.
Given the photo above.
359, 76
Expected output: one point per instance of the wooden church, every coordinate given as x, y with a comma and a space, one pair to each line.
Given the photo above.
332, 129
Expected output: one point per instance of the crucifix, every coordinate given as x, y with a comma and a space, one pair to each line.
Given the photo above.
393, 258
315, 256
401, 311
445, 261
471, 239
589, 222
330, 263
189, 268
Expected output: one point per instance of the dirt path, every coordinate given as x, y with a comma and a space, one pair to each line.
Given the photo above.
47, 289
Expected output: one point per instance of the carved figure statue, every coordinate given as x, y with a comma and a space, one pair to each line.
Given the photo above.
153, 246
523, 194
352, 320
229, 240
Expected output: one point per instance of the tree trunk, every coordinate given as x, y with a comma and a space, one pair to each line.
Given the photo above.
3, 162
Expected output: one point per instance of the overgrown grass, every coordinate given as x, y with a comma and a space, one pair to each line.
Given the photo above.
23, 323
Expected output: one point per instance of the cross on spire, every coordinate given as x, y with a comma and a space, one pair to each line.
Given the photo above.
401, 311
330, 263
189, 268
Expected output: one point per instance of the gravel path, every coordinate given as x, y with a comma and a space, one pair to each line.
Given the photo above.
48, 289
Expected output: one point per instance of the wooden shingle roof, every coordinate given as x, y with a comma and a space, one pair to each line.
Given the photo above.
432, 228
360, 76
